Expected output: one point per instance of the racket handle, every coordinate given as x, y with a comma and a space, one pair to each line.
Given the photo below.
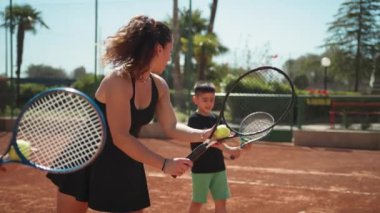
196, 153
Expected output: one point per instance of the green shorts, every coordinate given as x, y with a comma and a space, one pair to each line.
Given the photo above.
215, 182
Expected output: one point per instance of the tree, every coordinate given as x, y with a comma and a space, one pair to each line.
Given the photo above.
204, 45
174, 75
305, 67
44, 71
204, 57
198, 23
355, 31
87, 84
79, 72
309, 67
25, 18
176, 72
191, 24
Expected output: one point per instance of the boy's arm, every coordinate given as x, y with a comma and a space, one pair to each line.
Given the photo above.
235, 152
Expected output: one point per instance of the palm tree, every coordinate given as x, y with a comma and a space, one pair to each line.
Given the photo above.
205, 47
193, 37
203, 61
204, 43
25, 18
177, 77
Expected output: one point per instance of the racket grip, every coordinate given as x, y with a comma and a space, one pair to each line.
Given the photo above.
196, 153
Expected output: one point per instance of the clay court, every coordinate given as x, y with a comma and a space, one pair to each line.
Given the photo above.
272, 177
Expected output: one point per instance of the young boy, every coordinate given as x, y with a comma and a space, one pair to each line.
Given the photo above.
209, 170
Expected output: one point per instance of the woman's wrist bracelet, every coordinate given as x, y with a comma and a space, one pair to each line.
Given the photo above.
163, 165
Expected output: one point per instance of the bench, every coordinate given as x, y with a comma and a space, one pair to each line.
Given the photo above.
346, 108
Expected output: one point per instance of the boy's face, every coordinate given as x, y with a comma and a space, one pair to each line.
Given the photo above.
205, 102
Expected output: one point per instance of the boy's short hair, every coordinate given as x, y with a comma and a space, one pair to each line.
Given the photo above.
204, 87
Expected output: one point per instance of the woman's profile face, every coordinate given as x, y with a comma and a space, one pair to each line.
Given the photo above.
163, 56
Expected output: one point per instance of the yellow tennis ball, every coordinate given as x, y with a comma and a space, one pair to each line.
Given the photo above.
24, 147
222, 131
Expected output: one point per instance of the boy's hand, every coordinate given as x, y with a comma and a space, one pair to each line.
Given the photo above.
246, 147
235, 153
218, 146
231, 151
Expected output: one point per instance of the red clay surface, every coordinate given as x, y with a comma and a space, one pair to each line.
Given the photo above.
272, 177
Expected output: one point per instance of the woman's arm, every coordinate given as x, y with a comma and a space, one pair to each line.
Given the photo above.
152, 130
168, 121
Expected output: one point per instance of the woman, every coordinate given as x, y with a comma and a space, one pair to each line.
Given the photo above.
130, 96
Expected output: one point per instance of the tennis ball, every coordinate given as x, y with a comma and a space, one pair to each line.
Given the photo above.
24, 147
222, 131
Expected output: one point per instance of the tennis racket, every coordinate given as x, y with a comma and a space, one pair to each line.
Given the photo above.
255, 122
252, 123
256, 101
60, 130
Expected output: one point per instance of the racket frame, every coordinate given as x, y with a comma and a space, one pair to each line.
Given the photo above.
13, 141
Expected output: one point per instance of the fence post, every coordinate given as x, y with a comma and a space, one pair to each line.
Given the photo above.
300, 108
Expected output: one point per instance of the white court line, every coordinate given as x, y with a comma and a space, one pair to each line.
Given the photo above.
302, 172
333, 189
341, 190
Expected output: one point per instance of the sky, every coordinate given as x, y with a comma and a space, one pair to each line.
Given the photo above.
286, 29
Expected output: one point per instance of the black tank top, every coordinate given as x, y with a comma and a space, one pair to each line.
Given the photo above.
142, 117
139, 117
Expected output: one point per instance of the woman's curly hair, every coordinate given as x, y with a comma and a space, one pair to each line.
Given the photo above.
132, 47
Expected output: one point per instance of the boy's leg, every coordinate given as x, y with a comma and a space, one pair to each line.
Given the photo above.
220, 191
220, 206
200, 185
195, 207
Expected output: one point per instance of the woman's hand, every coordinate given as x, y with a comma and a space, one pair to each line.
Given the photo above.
207, 133
177, 166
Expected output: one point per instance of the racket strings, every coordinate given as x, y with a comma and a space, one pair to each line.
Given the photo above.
256, 122
256, 126
63, 130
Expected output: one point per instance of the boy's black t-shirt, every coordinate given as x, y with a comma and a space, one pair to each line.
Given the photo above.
212, 160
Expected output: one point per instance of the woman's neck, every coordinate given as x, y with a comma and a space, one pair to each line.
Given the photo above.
144, 77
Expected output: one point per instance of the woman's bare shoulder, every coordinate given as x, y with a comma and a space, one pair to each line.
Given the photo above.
113, 84
160, 82
114, 78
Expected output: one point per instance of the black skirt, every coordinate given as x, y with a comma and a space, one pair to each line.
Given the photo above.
113, 182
